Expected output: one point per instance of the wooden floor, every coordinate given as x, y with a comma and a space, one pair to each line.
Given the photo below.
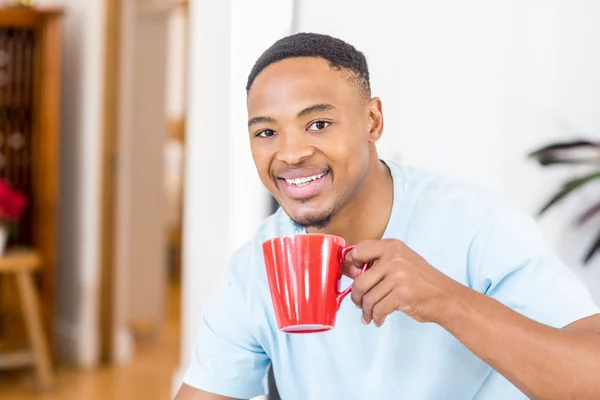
148, 377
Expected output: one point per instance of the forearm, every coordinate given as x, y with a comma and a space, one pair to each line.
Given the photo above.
543, 362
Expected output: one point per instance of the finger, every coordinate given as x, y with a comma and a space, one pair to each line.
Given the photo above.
353, 271
368, 251
349, 269
373, 297
365, 282
385, 307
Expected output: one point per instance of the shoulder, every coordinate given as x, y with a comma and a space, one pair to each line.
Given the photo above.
452, 222
438, 188
447, 199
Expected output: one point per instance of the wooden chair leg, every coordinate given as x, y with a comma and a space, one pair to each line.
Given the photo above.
33, 322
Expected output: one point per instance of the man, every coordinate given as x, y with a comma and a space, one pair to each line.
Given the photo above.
462, 300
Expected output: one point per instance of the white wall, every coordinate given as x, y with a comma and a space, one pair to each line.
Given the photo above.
206, 207
224, 199
577, 103
80, 179
249, 200
497, 77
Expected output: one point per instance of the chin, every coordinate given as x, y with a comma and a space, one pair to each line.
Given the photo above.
313, 213
318, 220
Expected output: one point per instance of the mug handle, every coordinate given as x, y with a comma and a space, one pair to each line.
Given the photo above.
345, 292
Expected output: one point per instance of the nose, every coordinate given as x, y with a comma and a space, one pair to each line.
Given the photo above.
294, 148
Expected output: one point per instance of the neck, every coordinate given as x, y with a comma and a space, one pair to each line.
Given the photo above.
368, 214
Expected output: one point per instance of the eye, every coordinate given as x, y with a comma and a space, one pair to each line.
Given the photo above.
266, 133
318, 125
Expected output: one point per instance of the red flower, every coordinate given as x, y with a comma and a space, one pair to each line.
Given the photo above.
12, 202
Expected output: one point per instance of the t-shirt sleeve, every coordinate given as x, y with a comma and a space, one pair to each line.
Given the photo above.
519, 270
227, 359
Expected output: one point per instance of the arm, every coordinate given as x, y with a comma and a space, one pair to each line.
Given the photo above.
187, 392
543, 362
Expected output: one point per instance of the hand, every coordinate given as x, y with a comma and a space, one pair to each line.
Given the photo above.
398, 279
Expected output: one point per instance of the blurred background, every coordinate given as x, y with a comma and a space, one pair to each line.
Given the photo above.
125, 164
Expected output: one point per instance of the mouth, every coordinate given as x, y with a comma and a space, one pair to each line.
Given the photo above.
301, 188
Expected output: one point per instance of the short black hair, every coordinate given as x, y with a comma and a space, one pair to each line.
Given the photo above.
338, 53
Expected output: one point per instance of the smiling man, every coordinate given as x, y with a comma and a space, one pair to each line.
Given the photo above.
463, 300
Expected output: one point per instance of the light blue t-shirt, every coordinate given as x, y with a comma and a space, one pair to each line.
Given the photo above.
467, 233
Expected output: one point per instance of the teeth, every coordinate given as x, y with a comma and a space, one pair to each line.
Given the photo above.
305, 180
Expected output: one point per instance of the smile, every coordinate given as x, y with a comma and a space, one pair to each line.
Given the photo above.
305, 180
304, 187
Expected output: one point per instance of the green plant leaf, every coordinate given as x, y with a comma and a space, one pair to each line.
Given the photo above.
569, 187
567, 153
592, 250
570, 161
564, 145
588, 214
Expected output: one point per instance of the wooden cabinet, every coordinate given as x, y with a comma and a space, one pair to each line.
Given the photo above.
30, 54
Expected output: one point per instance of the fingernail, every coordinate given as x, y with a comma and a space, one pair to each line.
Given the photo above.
364, 321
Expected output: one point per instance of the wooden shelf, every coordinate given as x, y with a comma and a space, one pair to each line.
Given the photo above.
21, 17
30, 74
19, 259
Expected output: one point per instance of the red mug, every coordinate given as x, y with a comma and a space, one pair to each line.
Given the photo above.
304, 273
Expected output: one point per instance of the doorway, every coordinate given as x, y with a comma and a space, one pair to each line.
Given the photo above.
143, 150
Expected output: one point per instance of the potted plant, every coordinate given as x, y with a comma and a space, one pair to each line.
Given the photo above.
580, 152
12, 206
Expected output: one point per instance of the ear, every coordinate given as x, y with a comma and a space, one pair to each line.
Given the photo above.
375, 119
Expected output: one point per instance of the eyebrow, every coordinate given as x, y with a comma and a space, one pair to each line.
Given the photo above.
306, 111
260, 120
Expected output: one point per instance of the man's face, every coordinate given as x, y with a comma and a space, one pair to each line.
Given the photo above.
310, 135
